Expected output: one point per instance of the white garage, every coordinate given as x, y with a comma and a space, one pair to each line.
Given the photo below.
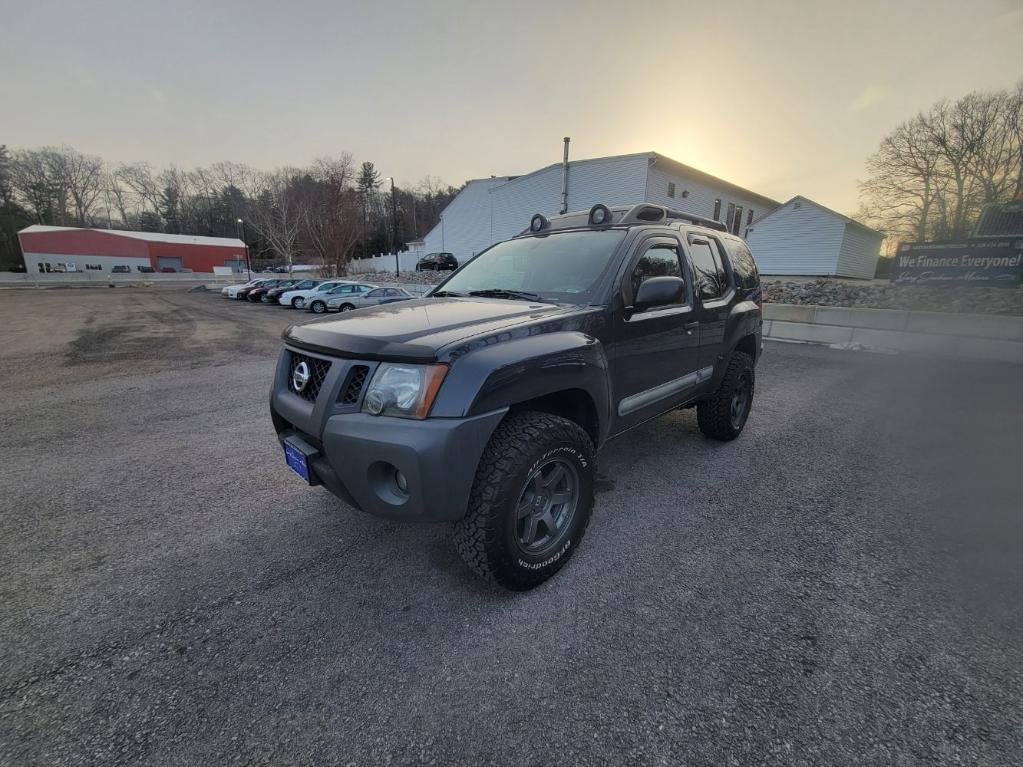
803, 237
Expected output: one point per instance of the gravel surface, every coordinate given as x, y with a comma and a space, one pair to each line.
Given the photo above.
840, 585
414, 278
875, 295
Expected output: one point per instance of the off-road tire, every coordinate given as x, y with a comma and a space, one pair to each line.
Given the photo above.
714, 415
487, 536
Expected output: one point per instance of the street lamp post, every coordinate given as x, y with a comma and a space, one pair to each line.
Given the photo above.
394, 226
241, 236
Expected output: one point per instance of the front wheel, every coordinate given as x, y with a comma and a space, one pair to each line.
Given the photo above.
724, 414
346, 308
531, 500
318, 307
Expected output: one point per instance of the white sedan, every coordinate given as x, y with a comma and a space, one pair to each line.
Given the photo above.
300, 299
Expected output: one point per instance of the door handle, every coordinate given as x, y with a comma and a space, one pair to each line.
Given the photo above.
690, 326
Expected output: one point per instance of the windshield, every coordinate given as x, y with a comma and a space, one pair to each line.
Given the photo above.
559, 267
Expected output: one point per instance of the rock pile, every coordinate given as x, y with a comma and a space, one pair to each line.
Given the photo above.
413, 278
872, 295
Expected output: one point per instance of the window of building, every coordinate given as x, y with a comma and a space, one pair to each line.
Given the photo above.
671, 189
730, 216
737, 221
749, 217
711, 279
717, 210
659, 260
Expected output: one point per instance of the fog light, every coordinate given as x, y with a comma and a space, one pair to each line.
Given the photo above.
400, 481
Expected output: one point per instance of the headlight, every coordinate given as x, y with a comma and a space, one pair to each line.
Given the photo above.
406, 391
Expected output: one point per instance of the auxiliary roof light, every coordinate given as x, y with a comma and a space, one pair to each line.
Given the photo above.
538, 223
600, 215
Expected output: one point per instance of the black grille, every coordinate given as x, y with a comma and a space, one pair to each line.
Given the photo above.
353, 386
317, 373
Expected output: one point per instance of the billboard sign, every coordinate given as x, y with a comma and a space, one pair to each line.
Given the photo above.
994, 263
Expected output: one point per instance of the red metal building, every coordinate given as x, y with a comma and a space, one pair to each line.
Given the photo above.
65, 249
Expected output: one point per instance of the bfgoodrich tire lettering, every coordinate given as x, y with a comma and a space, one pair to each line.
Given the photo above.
528, 450
724, 415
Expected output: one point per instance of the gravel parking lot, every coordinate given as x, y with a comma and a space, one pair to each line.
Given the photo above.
841, 585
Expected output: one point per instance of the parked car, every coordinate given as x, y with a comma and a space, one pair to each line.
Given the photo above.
277, 294
320, 302
243, 292
120, 269
147, 270
299, 299
231, 291
485, 403
352, 301
271, 296
168, 270
256, 294
437, 262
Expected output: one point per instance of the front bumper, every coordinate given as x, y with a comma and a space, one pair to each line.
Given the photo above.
356, 455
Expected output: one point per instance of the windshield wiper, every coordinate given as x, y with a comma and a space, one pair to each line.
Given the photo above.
449, 293
502, 293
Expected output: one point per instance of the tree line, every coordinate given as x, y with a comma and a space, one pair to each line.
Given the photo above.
932, 175
325, 213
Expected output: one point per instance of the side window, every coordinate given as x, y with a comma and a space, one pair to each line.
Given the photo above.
708, 271
743, 265
659, 260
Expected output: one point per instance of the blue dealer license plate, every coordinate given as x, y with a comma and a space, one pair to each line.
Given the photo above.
297, 461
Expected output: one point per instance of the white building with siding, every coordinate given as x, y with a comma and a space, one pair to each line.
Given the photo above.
493, 209
803, 237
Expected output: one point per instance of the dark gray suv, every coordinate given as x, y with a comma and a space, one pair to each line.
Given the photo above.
484, 404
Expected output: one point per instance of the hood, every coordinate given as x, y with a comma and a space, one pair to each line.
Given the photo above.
416, 330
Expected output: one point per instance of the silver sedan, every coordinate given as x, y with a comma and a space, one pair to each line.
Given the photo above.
371, 298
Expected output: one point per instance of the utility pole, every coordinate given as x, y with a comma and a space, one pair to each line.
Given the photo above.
241, 236
394, 227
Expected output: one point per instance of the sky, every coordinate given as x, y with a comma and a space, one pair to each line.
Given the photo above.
781, 97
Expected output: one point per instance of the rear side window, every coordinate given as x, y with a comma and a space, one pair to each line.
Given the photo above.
711, 279
743, 265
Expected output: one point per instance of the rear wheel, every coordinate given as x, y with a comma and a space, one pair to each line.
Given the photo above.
531, 500
724, 415
298, 303
318, 307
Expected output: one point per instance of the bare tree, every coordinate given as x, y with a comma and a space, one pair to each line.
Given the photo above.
277, 214
332, 218
931, 176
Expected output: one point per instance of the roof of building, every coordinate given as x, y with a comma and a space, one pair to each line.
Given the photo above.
825, 208
675, 165
179, 239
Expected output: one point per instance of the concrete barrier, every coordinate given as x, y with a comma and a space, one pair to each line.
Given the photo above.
967, 336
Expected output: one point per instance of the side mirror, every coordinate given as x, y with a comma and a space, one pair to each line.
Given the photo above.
659, 291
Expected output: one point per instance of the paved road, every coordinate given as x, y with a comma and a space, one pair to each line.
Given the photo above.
839, 586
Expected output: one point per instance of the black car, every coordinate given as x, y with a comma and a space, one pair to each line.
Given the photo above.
484, 404
273, 295
437, 262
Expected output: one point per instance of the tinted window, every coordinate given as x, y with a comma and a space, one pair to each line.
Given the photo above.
711, 280
659, 260
743, 266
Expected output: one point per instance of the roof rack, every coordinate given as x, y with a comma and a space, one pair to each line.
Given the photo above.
649, 213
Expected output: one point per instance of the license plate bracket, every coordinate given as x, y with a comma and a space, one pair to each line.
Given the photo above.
298, 454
